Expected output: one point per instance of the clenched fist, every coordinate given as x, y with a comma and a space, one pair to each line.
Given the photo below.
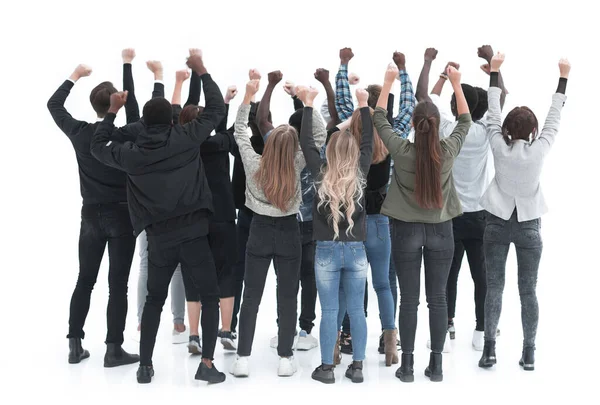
252, 87
322, 75
496, 62
565, 68
391, 73
275, 77
154, 66
195, 51
290, 88
81, 71
362, 96
231, 93
353, 79
307, 94
453, 75
254, 74
196, 63
346, 55
400, 60
117, 100
430, 54
182, 75
485, 52
128, 55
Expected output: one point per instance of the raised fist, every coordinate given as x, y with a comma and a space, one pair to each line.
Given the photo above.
254, 74
322, 75
275, 77
496, 62
453, 64
154, 66
400, 60
430, 54
117, 100
306, 94
128, 55
362, 96
353, 79
486, 68
231, 93
485, 52
81, 71
453, 75
565, 68
290, 88
182, 75
346, 55
195, 51
252, 87
391, 73
196, 63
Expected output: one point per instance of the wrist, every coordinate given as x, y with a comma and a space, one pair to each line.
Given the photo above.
564, 75
74, 77
158, 75
127, 62
308, 103
248, 98
201, 71
401, 67
113, 110
362, 104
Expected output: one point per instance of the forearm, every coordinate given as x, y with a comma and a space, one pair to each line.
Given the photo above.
132, 109
214, 110
462, 107
382, 101
298, 104
343, 97
222, 127
423, 82
439, 86
366, 141
307, 142
333, 114
406, 106
176, 99
262, 115
562, 85
195, 90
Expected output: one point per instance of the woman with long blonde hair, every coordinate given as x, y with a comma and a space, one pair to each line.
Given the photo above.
273, 194
339, 228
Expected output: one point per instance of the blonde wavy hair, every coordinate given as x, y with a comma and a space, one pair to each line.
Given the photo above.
342, 185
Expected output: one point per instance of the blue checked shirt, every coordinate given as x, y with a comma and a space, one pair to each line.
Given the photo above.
343, 97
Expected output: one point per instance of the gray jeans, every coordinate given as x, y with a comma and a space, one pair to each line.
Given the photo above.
526, 237
177, 289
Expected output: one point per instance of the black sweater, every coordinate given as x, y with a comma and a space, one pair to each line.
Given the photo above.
166, 175
322, 228
99, 184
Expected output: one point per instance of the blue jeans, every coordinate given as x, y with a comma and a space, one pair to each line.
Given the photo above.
341, 265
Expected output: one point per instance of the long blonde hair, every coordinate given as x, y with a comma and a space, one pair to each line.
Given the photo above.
276, 174
380, 152
342, 185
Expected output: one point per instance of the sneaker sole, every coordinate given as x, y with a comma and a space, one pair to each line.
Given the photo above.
434, 377
488, 365
125, 363
194, 350
355, 380
84, 356
145, 380
527, 367
212, 380
324, 381
406, 378
228, 344
305, 348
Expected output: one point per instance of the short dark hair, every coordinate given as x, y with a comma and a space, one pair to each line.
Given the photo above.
482, 104
189, 113
158, 111
296, 119
374, 91
521, 123
472, 99
100, 98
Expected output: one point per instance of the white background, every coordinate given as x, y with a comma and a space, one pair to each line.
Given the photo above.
44, 41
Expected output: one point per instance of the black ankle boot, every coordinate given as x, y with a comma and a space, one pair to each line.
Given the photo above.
209, 374
488, 357
406, 372
115, 356
354, 372
324, 374
145, 374
76, 352
527, 358
434, 370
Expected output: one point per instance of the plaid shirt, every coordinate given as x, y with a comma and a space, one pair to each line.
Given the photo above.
401, 124
343, 97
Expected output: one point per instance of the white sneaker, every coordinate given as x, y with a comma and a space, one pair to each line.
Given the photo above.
447, 346
240, 367
179, 338
306, 341
478, 340
275, 342
287, 367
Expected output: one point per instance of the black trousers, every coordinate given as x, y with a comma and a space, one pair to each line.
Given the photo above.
200, 281
276, 239
411, 243
222, 240
468, 237
103, 224
242, 232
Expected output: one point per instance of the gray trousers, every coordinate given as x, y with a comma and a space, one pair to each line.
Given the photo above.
526, 237
177, 289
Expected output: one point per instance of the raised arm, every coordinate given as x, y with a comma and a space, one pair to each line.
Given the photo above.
290, 88
132, 109
180, 77
156, 68
310, 148
393, 142
200, 128
423, 83
262, 115
486, 52
322, 75
195, 83
230, 95
366, 140
240, 133
401, 123
343, 97
453, 143
56, 105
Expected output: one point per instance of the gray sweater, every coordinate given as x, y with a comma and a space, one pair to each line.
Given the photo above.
255, 197
519, 165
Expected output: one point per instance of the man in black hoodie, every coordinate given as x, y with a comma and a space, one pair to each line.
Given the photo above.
104, 221
169, 198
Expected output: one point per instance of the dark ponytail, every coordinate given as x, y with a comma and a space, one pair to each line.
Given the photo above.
428, 185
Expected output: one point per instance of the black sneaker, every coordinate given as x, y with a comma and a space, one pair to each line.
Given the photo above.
209, 374
527, 358
324, 374
227, 340
488, 357
145, 374
346, 343
194, 346
354, 372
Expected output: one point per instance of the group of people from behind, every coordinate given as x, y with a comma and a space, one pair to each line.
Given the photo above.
334, 191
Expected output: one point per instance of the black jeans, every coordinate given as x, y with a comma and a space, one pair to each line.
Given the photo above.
276, 239
308, 297
468, 237
103, 224
411, 242
200, 281
242, 229
222, 239
528, 244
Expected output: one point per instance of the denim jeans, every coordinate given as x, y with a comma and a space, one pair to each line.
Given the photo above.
242, 232
528, 244
102, 225
177, 289
411, 243
274, 239
468, 237
393, 280
341, 266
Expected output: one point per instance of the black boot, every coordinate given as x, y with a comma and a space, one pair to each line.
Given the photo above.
381, 348
209, 374
488, 357
76, 352
115, 356
527, 358
354, 372
434, 370
145, 374
324, 374
406, 372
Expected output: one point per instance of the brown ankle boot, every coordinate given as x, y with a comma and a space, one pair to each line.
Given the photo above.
390, 348
337, 357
